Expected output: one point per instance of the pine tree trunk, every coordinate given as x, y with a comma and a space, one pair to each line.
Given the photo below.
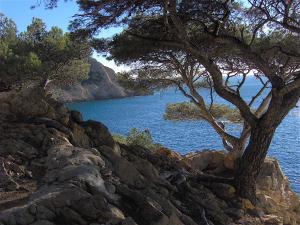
251, 162
249, 165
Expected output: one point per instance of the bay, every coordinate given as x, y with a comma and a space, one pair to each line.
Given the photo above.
146, 112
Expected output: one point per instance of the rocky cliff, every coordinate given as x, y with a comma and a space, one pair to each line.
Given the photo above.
57, 169
101, 84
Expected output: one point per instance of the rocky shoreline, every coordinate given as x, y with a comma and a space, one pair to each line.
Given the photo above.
57, 169
102, 83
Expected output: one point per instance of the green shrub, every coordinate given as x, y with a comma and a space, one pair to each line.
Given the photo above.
137, 138
189, 111
140, 138
119, 138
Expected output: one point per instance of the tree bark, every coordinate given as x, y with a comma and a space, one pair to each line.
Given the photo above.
249, 165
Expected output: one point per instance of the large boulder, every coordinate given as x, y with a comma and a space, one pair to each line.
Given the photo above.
275, 195
32, 102
205, 160
36, 104
99, 135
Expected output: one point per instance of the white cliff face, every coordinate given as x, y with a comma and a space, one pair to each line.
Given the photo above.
102, 83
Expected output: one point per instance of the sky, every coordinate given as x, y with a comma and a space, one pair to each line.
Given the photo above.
21, 13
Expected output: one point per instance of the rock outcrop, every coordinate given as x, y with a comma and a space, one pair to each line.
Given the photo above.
274, 194
56, 169
101, 84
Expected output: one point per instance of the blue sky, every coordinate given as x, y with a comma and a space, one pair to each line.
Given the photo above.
19, 11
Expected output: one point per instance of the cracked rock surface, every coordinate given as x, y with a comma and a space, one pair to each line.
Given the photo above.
56, 169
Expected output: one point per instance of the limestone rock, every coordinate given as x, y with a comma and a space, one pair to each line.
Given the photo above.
4, 107
91, 133
274, 194
42, 222
229, 161
224, 191
129, 221
17, 147
99, 134
72, 172
80, 136
101, 83
76, 116
205, 160
36, 104
272, 220
237, 213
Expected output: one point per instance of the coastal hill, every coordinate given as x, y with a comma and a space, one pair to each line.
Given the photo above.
101, 84
58, 169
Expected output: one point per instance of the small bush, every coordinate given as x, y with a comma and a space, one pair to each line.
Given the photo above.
189, 111
119, 138
137, 138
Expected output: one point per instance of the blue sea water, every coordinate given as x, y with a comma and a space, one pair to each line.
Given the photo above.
146, 112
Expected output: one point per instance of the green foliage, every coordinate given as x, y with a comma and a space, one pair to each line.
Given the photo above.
8, 29
141, 138
135, 82
119, 138
202, 84
137, 138
35, 32
38, 55
125, 80
188, 111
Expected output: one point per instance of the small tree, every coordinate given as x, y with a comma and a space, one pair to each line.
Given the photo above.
190, 111
141, 138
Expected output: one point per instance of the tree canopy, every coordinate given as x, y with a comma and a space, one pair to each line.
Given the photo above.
38, 55
189, 111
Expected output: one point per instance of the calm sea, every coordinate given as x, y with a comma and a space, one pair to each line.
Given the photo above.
146, 112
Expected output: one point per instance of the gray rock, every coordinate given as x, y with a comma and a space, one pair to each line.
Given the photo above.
236, 213
102, 83
71, 217
42, 212
76, 116
42, 222
128, 221
36, 104
224, 191
98, 134
110, 187
18, 147
85, 178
